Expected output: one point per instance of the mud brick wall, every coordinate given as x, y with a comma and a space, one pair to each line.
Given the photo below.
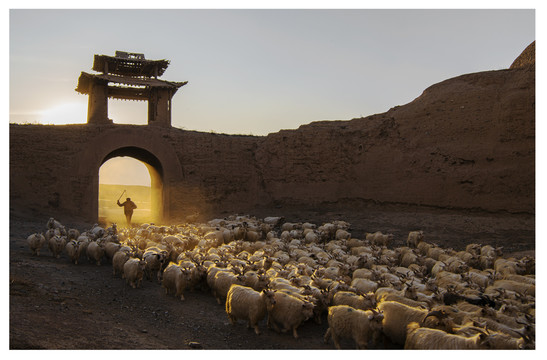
467, 142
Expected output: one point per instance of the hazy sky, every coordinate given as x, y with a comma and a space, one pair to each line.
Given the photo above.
258, 71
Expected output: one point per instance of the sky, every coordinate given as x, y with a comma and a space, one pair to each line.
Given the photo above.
255, 70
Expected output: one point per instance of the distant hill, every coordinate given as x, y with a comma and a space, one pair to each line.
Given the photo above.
137, 193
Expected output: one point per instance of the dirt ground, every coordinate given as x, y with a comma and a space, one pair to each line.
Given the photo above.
54, 304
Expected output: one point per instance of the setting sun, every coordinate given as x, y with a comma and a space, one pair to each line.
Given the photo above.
62, 114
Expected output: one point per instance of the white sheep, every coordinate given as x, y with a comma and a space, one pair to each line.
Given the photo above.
54, 224
311, 237
435, 252
110, 248
364, 285
288, 226
516, 286
492, 252
51, 233
456, 265
482, 278
414, 238
363, 273
274, 220
247, 304
423, 247
501, 341
222, 282
421, 338
118, 261
256, 280
328, 229
175, 279
397, 316
509, 267
95, 251
287, 312
473, 248
155, 258
342, 235
408, 258
72, 234
486, 262
379, 239
56, 245
194, 273
97, 231
73, 250
347, 322
361, 302
133, 270
308, 225
36, 243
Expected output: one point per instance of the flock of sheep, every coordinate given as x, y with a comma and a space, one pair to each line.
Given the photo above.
418, 296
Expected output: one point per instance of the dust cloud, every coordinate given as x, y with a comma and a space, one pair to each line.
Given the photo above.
110, 212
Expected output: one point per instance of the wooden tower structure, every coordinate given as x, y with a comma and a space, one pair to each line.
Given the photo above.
128, 76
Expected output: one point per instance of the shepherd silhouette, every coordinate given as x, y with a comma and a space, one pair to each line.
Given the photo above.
128, 207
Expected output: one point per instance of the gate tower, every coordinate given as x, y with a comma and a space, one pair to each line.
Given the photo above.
128, 76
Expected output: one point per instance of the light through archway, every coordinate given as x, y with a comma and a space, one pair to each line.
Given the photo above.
120, 178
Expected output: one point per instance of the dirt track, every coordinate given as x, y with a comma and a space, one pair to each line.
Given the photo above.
57, 305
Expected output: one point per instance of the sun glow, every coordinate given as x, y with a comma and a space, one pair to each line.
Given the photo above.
124, 170
62, 114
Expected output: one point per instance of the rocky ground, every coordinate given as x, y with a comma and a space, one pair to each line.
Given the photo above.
54, 304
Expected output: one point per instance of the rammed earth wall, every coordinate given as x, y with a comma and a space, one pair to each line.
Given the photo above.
467, 142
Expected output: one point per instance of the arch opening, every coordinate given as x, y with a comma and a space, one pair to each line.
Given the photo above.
140, 174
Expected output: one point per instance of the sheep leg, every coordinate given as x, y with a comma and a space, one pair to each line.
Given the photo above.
317, 319
294, 333
360, 344
327, 336
376, 338
336, 340
273, 325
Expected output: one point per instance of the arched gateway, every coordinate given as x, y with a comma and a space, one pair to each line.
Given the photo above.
159, 157
129, 76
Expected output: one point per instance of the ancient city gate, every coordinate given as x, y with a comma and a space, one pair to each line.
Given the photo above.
149, 147
129, 76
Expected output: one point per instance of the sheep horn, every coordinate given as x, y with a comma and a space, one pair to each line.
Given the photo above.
438, 313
